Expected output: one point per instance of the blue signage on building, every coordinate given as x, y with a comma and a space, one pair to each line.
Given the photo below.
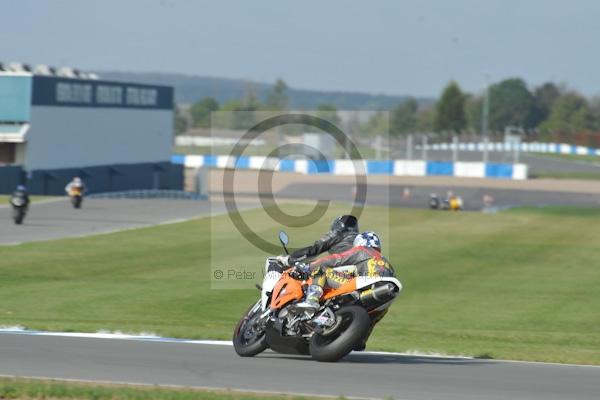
56, 91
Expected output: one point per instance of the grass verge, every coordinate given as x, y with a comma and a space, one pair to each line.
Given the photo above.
572, 157
585, 176
523, 284
50, 389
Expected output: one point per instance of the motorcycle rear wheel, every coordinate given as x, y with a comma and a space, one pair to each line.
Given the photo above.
245, 342
18, 216
77, 200
353, 328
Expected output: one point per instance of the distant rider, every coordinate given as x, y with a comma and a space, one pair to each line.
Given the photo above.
340, 238
365, 255
76, 185
21, 193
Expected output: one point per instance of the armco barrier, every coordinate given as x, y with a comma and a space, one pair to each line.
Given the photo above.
369, 167
106, 178
10, 177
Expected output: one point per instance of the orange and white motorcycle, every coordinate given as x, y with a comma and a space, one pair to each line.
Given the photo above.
343, 322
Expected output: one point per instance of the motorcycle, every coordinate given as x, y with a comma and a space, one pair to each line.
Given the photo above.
76, 195
19, 209
343, 322
434, 202
452, 204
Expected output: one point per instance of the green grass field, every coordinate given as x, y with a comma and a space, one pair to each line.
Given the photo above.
572, 157
44, 389
523, 284
581, 176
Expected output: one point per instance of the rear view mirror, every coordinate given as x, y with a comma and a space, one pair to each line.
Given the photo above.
283, 238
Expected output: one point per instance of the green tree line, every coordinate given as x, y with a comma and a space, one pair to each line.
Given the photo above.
546, 109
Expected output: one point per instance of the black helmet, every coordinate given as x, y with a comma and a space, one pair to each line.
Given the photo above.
345, 223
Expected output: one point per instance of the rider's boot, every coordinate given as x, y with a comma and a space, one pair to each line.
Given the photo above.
313, 296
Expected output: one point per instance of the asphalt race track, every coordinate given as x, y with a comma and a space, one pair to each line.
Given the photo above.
55, 219
364, 375
394, 195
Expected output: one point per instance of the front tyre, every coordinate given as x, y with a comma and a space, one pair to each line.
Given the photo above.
77, 200
353, 324
249, 338
18, 216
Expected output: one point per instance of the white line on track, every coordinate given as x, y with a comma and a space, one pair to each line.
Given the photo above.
150, 337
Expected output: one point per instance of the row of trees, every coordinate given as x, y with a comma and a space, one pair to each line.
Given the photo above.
199, 114
549, 108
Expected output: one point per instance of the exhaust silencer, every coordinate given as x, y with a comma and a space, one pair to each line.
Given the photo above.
378, 295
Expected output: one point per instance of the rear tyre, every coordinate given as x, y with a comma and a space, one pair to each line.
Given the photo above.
77, 201
18, 216
354, 325
248, 339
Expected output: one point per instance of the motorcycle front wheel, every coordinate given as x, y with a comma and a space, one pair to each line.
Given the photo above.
18, 215
352, 326
76, 200
248, 339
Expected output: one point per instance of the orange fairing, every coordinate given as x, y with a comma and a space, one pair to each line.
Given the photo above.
285, 291
347, 287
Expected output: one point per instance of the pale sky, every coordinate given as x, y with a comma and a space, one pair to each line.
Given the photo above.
392, 47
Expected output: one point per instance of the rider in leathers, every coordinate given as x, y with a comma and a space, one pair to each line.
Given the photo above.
365, 256
340, 238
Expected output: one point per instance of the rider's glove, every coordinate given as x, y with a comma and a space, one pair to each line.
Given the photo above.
302, 269
284, 260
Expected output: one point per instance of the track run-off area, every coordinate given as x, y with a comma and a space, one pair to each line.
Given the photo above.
211, 364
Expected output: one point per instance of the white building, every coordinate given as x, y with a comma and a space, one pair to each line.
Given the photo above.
76, 121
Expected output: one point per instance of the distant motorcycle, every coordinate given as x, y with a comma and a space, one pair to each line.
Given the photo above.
76, 195
19, 209
343, 321
434, 202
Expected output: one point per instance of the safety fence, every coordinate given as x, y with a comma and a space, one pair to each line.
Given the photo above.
98, 179
150, 194
531, 147
354, 167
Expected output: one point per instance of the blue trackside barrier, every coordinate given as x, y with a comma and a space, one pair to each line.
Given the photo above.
287, 165
440, 168
149, 194
320, 166
498, 171
242, 162
380, 167
371, 167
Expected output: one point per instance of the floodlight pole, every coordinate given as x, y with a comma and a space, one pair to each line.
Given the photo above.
484, 123
454, 148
